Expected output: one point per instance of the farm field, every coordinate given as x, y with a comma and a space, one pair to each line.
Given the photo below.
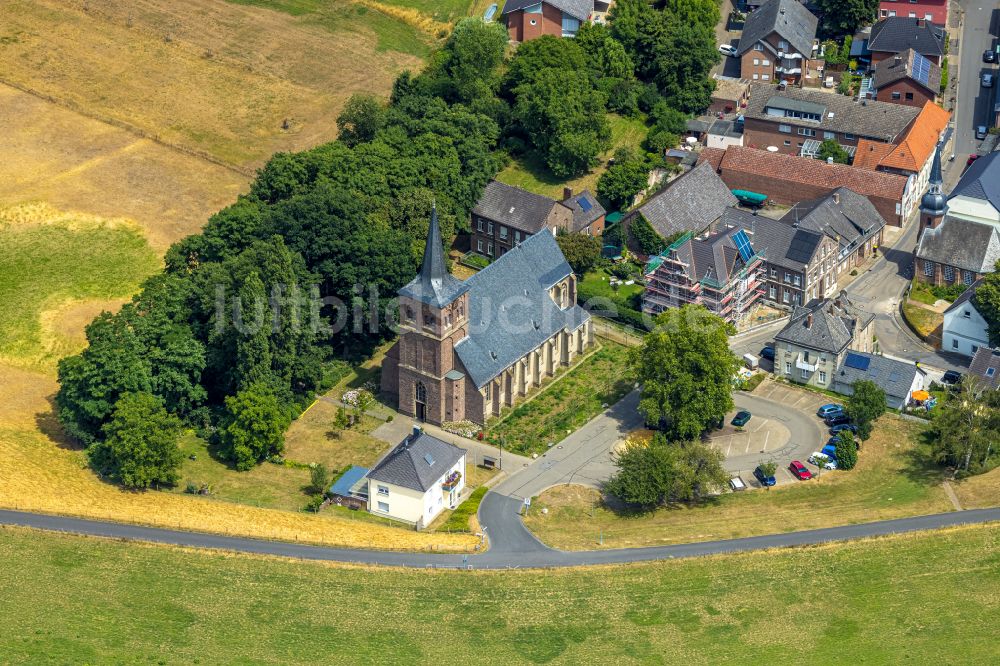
928, 597
894, 478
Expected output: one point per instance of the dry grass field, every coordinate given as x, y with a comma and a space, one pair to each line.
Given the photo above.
893, 478
236, 83
928, 597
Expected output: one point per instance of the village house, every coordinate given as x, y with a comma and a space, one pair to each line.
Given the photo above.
721, 272
907, 78
817, 338
778, 42
896, 34
417, 480
899, 380
530, 19
965, 330
960, 240
505, 215
934, 11
796, 121
985, 366
468, 349
788, 179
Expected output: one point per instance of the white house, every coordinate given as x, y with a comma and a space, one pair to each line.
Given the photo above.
964, 330
417, 480
899, 379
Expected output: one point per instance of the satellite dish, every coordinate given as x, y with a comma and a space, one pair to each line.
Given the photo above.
691, 140
772, 149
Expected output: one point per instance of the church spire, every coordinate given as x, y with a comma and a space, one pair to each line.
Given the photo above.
434, 285
433, 270
934, 204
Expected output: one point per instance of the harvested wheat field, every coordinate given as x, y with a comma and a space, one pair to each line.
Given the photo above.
232, 82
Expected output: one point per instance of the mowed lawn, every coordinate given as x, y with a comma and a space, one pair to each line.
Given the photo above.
52, 261
893, 478
923, 598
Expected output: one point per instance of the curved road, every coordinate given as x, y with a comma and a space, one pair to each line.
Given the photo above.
507, 554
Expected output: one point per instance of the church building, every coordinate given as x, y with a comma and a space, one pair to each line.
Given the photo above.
468, 349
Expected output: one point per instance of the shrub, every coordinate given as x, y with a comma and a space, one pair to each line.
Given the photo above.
315, 503
847, 450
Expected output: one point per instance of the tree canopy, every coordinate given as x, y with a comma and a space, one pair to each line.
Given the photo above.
623, 180
686, 370
865, 405
966, 429
987, 302
830, 148
582, 251
844, 17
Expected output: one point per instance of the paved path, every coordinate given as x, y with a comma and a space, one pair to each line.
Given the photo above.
513, 554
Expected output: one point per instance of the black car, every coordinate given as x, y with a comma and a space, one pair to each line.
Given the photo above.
768, 353
951, 377
989, 55
836, 420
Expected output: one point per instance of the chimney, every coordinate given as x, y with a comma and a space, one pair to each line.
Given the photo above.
567, 193
829, 160
836, 196
809, 320
417, 430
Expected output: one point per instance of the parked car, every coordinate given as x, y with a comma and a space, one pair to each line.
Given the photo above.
728, 50
799, 471
844, 426
836, 420
822, 460
768, 353
736, 483
981, 132
741, 418
989, 55
951, 377
830, 449
972, 158
764, 480
987, 79
829, 410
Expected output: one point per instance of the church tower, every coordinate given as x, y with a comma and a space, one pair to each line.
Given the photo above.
934, 205
433, 317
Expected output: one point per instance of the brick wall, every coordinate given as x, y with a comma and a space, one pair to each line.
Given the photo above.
549, 22
917, 93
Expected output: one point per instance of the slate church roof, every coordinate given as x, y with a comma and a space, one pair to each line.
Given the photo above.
510, 310
417, 462
971, 246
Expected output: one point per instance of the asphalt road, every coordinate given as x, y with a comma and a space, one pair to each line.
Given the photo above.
974, 103
507, 553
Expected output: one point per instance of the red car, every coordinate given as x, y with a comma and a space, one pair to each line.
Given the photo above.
800, 471
972, 158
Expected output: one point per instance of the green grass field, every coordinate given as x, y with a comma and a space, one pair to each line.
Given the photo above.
926, 598
48, 264
567, 403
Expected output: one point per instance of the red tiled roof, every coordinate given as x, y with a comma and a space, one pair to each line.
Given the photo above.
713, 156
871, 153
918, 143
813, 172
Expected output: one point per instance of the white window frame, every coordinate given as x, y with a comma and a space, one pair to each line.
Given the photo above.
383, 491
382, 507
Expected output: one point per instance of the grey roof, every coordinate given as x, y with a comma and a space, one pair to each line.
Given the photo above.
700, 125
981, 181
832, 327
883, 121
514, 207
850, 221
933, 202
581, 9
726, 128
345, 485
788, 18
690, 203
780, 243
434, 284
985, 359
889, 71
714, 258
898, 33
417, 462
965, 296
581, 217
510, 310
892, 376
971, 246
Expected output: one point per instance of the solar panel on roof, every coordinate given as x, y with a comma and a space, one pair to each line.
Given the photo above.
921, 68
802, 246
857, 361
585, 204
742, 244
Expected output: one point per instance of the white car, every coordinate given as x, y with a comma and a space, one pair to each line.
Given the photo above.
817, 458
736, 483
728, 50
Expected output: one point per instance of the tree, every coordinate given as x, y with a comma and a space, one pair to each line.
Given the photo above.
846, 450
361, 119
468, 66
650, 475
830, 148
865, 405
140, 446
319, 479
963, 433
686, 370
582, 251
768, 469
844, 17
987, 302
340, 421
622, 181
256, 427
